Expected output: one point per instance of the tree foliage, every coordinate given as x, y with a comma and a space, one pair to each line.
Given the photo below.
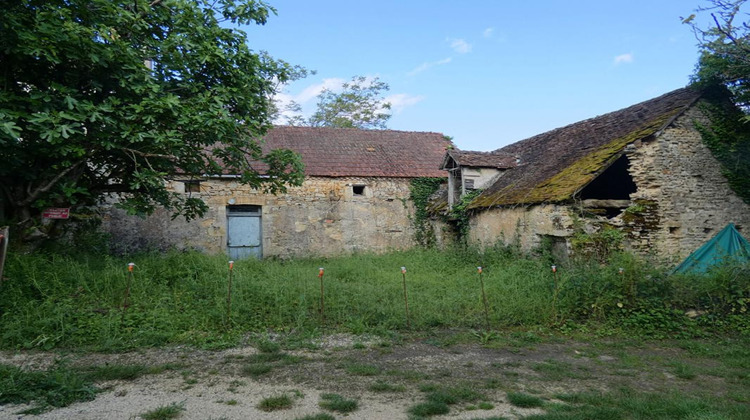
725, 61
101, 97
360, 104
725, 47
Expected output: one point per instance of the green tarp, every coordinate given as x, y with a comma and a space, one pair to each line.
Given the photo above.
728, 246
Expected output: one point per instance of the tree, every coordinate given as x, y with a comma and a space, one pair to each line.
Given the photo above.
359, 105
102, 97
725, 61
725, 48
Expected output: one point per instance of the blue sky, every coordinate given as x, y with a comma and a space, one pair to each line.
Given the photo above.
487, 73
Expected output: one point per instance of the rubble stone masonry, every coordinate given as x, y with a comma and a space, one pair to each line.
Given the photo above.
324, 217
682, 200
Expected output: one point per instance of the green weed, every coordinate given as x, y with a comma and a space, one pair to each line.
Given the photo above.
279, 402
321, 416
257, 369
166, 412
386, 387
429, 409
335, 402
522, 400
362, 369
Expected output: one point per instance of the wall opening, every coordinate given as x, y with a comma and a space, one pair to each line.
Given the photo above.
192, 186
615, 183
358, 190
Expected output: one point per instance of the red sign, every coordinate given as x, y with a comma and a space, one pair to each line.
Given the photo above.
56, 213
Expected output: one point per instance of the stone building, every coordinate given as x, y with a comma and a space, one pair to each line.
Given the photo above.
643, 170
355, 197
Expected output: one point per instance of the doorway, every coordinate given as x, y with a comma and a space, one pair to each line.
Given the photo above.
244, 238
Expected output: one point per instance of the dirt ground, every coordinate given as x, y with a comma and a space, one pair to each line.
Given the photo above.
216, 384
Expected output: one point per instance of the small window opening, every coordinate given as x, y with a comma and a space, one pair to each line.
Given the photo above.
358, 189
192, 186
674, 230
615, 183
469, 184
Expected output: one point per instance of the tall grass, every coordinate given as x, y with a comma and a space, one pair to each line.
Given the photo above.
50, 300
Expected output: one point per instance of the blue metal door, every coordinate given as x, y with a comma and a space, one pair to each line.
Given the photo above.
244, 232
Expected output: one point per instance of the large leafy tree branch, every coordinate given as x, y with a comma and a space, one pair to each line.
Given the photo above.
725, 47
101, 97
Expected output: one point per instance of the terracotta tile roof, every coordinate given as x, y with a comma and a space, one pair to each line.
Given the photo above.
494, 159
336, 152
556, 164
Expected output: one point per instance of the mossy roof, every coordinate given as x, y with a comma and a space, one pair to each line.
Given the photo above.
556, 164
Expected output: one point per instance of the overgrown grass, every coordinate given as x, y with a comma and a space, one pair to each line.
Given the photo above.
519, 399
54, 301
58, 386
629, 404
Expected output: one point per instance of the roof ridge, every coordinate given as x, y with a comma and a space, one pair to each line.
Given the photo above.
611, 113
367, 130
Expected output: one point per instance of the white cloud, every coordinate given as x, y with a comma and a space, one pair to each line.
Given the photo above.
487, 33
312, 91
459, 45
307, 98
424, 66
400, 101
624, 58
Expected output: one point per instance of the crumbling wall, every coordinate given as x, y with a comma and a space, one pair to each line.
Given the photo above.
683, 199
524, 226
323, 217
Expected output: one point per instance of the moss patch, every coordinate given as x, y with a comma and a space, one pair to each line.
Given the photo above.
564, 184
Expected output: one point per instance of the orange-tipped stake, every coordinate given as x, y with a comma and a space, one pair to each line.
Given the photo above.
322, 294
554, 297
229, 292
406, 300
484, 299
126, 299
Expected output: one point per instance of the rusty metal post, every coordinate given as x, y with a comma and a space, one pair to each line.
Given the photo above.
484, 299
406, 299
322, 294
126, 300
229, 293
554, 296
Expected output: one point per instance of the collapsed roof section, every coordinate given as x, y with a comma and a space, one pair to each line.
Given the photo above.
557, 164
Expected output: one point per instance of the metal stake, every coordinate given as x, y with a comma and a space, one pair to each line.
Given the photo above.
484, 299
229, 293
322, 294
126, 299
406, 299
554, 297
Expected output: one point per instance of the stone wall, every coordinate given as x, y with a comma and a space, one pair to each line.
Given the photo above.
325, 216
682, 200
524, 226
687, 199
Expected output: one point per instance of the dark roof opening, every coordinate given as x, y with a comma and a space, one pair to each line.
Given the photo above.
615, 183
